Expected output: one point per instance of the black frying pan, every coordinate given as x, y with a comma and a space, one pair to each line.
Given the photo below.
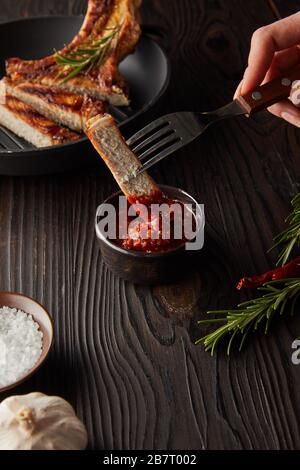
146, 71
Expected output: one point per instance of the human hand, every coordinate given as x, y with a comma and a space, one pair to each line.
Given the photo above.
275, 48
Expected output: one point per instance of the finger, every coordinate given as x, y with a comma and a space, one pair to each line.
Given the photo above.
265, 42
295, 93
238, 90
285, 106
287, 58
283, 61
292, 119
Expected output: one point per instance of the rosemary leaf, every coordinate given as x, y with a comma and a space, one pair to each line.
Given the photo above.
290, 237
87, 56
73, 73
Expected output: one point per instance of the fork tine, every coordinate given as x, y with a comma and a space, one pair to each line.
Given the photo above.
147, 129
153, 138
152, 161
170, 139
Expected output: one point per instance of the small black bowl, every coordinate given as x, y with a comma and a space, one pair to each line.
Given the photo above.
150, 268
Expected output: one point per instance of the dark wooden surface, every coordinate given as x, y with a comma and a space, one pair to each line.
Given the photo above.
124, 355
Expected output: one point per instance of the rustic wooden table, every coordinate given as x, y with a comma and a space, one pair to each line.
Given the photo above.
124, 355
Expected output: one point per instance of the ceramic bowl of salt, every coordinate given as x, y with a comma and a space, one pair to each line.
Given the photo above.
26, 337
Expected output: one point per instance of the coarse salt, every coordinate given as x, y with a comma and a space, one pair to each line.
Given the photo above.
21, 343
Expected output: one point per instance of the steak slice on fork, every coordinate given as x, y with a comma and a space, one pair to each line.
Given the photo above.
122, 162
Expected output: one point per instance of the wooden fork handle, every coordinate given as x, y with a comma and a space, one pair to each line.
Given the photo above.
269, 93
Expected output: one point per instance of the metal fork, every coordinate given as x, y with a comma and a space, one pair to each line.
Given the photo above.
169, 133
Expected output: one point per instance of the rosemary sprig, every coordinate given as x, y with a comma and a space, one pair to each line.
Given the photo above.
238, 323
87, 56
290, 237
246, 318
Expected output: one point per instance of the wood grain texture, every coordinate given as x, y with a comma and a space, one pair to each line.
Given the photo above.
124, 355
286, 8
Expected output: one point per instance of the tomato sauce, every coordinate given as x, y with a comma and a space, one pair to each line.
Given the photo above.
152, 230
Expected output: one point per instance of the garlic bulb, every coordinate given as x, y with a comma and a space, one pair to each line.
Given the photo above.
39, 422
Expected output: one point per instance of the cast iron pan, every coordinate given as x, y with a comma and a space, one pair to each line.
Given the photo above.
146, 71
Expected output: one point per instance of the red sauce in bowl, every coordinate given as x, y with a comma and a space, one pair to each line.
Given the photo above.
152, 229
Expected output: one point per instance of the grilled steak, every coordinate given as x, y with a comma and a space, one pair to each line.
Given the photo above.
110, 144
66, 108
103, 81
27, 123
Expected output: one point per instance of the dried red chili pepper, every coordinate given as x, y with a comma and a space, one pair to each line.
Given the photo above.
289, 270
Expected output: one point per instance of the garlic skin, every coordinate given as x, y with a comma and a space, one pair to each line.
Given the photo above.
40, 422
